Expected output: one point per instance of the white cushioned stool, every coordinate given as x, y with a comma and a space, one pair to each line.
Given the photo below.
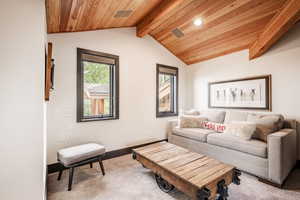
80, 155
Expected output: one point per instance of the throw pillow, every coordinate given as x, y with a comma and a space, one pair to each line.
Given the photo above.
191, 121
220, 128
265, 125
244, 130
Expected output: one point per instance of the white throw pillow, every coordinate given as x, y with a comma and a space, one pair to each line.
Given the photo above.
191, 121
241, 129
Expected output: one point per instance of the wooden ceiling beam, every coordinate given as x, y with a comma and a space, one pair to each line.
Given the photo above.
154, 18
278, 26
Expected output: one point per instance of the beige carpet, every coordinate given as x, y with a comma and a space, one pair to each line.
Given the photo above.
126, 179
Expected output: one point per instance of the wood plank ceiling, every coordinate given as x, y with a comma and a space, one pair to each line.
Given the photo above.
84, 15
228, 25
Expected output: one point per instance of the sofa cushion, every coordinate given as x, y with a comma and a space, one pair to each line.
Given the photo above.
193, 133
241, 129
217, 127
191, 112
79, 153
265, 125
253, 147
235, 116
213, 115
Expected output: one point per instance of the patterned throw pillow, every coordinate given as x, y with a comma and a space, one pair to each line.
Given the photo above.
191, 121
241, 129
220, 128
265, 125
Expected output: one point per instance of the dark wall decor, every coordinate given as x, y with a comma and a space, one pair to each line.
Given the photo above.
247, 93
49, 71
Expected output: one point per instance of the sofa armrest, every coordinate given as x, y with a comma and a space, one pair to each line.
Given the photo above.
171, 125
281, 154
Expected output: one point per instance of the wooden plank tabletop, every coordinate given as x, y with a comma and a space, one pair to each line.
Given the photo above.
199, 170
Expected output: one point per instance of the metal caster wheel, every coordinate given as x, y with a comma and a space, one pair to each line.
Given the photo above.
163, 184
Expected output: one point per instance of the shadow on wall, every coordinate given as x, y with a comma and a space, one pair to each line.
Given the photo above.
291, 40
298, 136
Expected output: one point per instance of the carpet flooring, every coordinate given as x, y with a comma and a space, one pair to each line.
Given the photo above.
126, 179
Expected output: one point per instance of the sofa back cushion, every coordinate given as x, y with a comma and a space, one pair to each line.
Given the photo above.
265, 124
213, 115
191, 112
232, 116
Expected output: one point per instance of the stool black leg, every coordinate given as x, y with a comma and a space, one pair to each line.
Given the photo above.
71, 172
101, 165
91, 165
59, 175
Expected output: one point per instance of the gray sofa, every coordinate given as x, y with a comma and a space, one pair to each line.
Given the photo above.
271, 161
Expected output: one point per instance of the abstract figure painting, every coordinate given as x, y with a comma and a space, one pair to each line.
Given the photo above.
247, 93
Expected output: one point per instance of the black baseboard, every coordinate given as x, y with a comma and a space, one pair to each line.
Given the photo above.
55, 167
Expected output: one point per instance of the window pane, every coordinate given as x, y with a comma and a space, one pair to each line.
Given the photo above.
165, 93
97, 97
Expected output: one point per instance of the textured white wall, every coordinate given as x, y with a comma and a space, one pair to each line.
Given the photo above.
22, 55
282, 61
137, 123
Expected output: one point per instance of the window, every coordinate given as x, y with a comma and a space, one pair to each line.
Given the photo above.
166, 91
97, 86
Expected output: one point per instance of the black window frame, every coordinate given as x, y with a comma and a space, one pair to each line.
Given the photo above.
114, 86
174, 91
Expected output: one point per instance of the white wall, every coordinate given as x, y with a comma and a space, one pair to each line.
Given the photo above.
137, 123
282, 61
22, 55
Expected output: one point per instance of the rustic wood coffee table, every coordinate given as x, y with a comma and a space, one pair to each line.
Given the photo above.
199, 176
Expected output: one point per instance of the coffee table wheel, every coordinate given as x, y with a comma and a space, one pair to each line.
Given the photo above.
222, 190
163, 184
203, 194
236, 176
144, 166
133, 155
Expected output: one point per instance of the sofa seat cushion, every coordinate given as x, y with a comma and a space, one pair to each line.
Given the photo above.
198, 134
254, 147
71, 155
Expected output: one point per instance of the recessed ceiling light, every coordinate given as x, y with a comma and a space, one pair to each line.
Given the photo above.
198, 22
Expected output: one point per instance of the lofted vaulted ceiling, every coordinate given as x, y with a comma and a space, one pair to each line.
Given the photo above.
84, 15
228, 25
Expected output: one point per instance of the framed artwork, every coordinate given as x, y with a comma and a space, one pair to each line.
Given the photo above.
247, 93
49, 71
